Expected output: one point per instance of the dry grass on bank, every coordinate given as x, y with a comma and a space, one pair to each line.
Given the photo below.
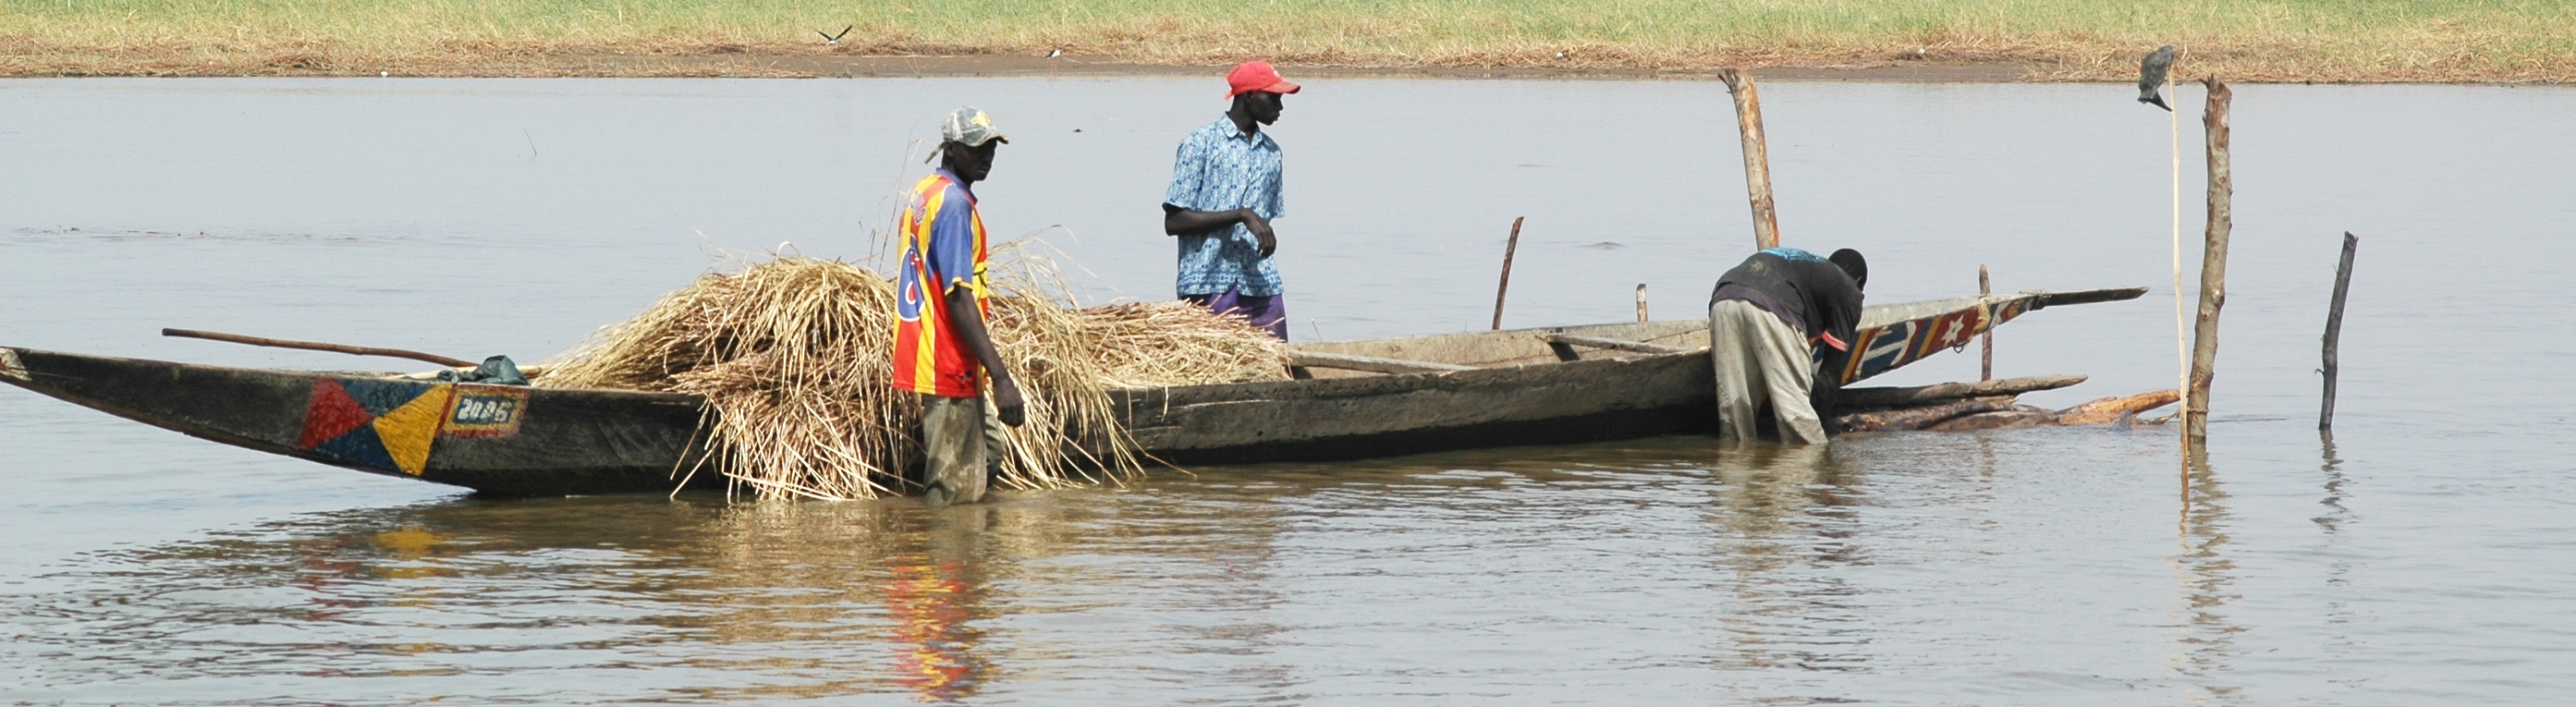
2245, 40
794, 358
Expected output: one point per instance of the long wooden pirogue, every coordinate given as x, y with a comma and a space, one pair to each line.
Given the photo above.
1351, 400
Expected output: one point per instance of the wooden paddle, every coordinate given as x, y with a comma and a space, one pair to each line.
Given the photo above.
319, 346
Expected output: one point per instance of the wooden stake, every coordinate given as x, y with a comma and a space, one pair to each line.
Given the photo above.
1510, 247
1871, 398
2213, 267
1986, 363
2334, 329
2105, 410
1641, 303
1920, 417
319, 346
1757, 157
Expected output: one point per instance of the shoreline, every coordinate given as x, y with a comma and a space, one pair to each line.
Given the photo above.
731, 62
2240, 41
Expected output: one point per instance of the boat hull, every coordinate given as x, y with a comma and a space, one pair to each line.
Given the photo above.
1389, 415
1521, 390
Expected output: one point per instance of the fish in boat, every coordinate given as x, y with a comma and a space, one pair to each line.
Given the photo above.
1348, 400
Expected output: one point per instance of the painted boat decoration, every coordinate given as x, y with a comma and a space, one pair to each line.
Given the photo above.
1894, 335
504, 440
1355, 399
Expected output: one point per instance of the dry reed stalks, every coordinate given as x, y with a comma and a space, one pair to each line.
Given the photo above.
794, 357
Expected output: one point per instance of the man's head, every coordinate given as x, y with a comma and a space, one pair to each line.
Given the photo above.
1852, 264
1256, 87
966, 144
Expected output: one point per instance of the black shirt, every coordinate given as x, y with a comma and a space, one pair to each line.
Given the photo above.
1813, 296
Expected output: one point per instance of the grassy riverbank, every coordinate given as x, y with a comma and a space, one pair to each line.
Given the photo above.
2274, 40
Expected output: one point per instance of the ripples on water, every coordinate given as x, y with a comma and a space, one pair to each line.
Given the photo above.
2417, 559
1658, 570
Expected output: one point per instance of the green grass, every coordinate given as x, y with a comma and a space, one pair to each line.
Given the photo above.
2328, 40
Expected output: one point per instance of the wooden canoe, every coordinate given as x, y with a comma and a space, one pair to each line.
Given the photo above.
1351, 400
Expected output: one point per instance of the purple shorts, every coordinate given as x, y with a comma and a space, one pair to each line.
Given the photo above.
1266, 312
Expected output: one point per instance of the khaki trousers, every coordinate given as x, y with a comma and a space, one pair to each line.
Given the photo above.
961, 440
1759, 357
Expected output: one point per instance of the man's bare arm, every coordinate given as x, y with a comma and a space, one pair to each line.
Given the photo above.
969, 321
1826, 396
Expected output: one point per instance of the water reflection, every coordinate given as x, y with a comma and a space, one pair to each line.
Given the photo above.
850, 597
797, 600
1786, 527
2206, 572
820, 592
1561, 575
2332, 469
2339, 616
935, 596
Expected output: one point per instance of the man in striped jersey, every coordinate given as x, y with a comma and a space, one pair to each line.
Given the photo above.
941, 348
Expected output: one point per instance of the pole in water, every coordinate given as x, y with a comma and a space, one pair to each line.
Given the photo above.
2182, 327
1641, 303
2334, 329
1757, 157
2154, 75
1509, 247
2213, 267
1986, 363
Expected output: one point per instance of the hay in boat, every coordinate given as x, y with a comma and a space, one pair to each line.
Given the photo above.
794, 358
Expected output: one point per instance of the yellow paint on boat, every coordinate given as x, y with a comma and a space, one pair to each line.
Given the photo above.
408, 431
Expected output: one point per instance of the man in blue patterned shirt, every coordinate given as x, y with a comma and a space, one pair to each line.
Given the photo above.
1224, 193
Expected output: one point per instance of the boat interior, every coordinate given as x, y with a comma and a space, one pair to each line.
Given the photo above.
1495, 349
1522, 347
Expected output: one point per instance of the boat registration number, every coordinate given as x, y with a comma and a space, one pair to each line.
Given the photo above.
485, 411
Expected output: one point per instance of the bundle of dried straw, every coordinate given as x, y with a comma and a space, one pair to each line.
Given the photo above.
794, 357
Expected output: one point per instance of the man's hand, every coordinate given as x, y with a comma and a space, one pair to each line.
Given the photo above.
1006, 401
1260, 228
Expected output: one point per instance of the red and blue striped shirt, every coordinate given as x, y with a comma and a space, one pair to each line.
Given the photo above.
943, 249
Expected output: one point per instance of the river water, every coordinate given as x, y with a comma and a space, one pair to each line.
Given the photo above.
2420, 556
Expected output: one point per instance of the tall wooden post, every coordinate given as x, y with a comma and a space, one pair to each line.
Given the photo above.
2334, 329
2213, 268
1986, 362
1757, 157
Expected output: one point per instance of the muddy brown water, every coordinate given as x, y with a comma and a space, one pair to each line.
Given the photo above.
2418, 556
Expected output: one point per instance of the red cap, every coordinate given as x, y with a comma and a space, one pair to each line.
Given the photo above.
1256, 76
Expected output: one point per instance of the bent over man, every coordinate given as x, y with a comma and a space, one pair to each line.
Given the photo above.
941, 348
1766, 321
1224, 194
